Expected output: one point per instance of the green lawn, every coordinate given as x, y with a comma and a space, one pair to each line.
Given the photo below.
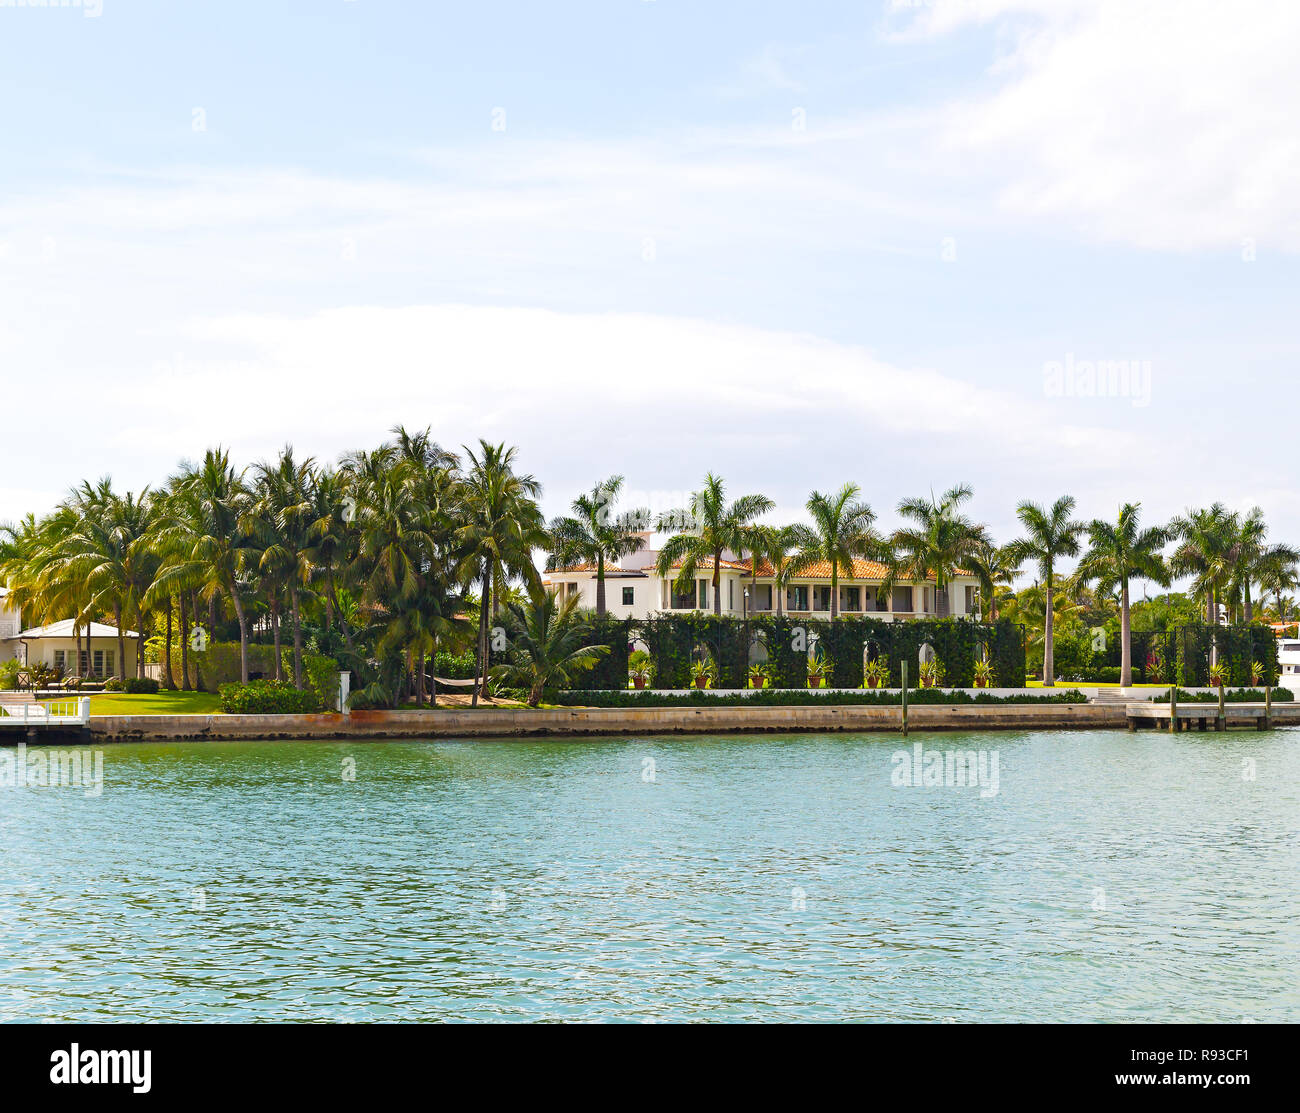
164, 703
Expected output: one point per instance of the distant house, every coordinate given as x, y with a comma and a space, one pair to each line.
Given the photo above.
55, 644
634, 590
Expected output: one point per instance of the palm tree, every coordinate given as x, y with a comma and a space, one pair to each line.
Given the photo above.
1255, 559
331, 543
784, 549
280, 519
204, 527
1117, 553
500, 526
841, 530
996, 568
939, 543
709, 527
110, 550
1051, 533
1278, 576
1206, 540
547, 647
593, 536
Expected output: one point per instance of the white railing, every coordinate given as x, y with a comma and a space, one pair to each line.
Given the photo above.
64, 712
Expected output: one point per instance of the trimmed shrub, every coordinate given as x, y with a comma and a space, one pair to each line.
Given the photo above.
140, 685
1230, 695
777, 697
267, 697
113, 684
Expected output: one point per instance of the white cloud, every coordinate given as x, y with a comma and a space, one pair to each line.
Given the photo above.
658, 399
1168, 124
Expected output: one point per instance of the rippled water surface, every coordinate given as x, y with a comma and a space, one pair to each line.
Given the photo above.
1112, 877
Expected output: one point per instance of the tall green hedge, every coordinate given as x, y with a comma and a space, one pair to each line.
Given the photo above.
674, 641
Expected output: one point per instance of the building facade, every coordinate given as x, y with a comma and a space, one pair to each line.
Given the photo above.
633, 589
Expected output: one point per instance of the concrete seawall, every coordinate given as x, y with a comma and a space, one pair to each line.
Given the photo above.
578, 722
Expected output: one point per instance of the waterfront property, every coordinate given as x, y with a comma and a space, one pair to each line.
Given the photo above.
633, 589
87, 649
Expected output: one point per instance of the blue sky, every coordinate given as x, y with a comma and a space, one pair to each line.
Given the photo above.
795, 244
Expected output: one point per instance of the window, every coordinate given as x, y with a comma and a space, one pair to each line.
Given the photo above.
58, 659
850, 598
902, 599
822, 597
796, 598
731, 595
683, 600
704, 595
627, 596
970, 599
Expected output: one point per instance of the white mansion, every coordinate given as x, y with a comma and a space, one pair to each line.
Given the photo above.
634, 590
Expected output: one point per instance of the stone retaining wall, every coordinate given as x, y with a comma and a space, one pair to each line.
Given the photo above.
577, 721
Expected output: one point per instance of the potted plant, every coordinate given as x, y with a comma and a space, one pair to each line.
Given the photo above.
639, 668
983, 674
818, 669
875, 674
1218, 675
701, 673
758, 676
930, 674
1256, 673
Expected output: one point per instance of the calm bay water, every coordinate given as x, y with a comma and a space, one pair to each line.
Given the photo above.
1112, 877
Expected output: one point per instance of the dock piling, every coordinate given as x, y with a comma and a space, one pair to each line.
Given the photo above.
903, 666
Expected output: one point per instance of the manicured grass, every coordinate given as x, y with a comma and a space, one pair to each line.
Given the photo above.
164, 703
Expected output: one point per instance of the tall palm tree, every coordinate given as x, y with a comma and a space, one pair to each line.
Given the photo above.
204, 527
1118, 552
500, 526
1255, 558
279, 519
997, 569
783, 547
331, 543
1205, 552
939, 542
594, 535
1278, 576
709, 527
1050, 533
840, 531
547, 644
110, 550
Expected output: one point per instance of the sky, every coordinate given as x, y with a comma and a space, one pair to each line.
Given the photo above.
793, 244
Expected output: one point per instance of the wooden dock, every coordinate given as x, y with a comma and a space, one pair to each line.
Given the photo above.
1206, 716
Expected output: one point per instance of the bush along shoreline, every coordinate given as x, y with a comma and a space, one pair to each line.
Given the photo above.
793, 697
1230, 695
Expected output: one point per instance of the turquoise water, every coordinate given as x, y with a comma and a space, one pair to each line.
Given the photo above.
1112, 877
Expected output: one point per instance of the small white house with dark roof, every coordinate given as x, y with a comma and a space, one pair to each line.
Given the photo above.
55, 644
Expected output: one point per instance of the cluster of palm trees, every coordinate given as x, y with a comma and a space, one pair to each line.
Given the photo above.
396, 553
380, 554
1224, 553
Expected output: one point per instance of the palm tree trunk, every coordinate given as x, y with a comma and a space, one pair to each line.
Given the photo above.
275, 633
121, 639
243, 633
1125, 638
600, 585
779, 591
169, 681
139, 644
297, 638
1049, 664
835, 591
1249, 613
185, 646
481, 679
717, 582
